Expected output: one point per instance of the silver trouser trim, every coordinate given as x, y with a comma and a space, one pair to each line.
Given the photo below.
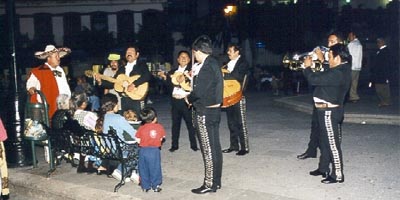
332, 144
207, 156
244, 123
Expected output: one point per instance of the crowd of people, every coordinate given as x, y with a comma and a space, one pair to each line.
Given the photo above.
198, 94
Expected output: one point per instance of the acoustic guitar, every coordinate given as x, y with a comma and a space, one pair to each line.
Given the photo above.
232, 90
122, 82
232, 93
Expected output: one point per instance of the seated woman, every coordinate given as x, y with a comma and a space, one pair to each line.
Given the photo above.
108, 117
87, 119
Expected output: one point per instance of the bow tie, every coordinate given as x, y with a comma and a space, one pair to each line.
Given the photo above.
57, 73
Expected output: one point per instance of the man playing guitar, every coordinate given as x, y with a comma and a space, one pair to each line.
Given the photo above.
179, 108
133, 67
237, 69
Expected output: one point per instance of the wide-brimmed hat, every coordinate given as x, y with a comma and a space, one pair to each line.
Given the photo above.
63, 51
114, 56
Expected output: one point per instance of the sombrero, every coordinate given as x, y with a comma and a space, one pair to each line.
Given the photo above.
63, 51
114, 56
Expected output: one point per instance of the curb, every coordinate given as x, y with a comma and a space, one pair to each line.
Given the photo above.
288, 102
38, 187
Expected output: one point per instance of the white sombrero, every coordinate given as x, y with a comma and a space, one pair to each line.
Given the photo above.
63, 51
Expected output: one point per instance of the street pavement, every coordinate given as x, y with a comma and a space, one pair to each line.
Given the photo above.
278, 132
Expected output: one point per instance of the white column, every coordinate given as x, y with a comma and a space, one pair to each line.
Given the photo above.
85, 21
112, 25
137, 20
58, 29
26, 26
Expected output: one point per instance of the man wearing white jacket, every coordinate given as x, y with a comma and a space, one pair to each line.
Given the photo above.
355, 49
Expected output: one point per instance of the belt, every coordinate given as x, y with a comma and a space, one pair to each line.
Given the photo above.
214, 106
177, 96
325, 105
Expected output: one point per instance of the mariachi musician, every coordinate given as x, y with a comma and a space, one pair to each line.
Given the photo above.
180, 86
133, 67
236, 69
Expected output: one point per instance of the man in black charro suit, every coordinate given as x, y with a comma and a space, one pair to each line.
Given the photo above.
206, 98
132, 67
179, 108
329, 94
237, 69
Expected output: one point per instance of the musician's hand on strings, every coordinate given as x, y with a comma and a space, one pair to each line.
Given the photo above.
131, 87
180, 78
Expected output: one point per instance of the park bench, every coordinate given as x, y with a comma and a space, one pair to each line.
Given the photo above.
106, 146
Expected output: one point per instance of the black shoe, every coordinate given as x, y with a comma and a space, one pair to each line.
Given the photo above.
228, 150
242, 152
172, 149
305, 156
319, 173
330, 180
81, 169
203, 189
194, 148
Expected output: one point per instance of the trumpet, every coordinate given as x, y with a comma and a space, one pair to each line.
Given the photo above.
295, 62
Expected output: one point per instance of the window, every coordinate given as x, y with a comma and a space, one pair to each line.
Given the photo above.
125, 27
99, 21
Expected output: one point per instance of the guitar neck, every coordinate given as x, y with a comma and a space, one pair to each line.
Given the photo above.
108, 78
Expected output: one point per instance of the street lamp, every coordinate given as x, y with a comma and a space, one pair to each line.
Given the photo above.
229, 11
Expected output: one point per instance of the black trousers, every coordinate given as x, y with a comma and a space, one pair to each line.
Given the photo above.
129, 104
313, 144
207, 125
180, 110
236, 116
330, 141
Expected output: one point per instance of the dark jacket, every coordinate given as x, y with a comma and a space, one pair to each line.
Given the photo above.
332, 84
241, 69
207, 86
139, 69
380, 66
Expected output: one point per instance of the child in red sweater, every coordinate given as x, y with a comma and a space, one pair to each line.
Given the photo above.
150, 136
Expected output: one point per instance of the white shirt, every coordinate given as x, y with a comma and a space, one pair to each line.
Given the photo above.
231, 64
355, 49
62, 83
129, 67
109, 72
178, 92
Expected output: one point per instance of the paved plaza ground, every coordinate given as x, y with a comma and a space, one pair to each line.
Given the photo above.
278, 133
